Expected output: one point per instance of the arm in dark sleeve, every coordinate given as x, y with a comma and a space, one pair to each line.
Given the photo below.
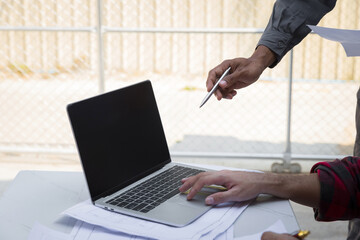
340, 189
287, 24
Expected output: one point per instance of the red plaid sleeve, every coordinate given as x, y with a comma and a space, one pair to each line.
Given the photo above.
340, 189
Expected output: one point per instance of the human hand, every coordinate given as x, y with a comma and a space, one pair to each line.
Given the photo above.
241, 186
277, 236
244, 71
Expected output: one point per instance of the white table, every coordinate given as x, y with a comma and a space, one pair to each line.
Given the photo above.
40, 196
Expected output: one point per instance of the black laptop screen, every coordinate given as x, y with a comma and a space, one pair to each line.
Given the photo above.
119, 136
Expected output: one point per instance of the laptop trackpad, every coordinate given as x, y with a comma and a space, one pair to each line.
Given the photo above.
180, 211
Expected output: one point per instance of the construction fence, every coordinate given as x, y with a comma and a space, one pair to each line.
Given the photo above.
57, 52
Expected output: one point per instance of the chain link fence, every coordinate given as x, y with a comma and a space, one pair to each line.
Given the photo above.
57, 52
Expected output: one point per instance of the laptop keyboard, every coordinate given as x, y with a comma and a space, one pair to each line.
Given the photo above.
151, 193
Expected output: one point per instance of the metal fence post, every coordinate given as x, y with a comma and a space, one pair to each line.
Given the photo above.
287, 153
100, 48
287, 165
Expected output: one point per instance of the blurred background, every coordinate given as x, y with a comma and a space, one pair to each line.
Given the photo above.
57, 52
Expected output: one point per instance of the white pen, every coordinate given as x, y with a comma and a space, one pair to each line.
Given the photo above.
214, 87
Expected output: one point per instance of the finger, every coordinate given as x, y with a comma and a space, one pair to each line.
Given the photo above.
220, 197
195, 189
216, 73
190, 181
269, 236
233, 93
218, 94
239, 79
184, 179
212, 78
276, 236
230, 91
228, 86
202, 180
187, 183
226, 82
232, 80
229, 96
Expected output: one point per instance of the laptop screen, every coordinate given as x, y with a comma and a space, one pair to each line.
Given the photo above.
119, 136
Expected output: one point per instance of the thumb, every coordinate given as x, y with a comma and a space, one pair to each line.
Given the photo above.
219, 197
226, 82
276, 236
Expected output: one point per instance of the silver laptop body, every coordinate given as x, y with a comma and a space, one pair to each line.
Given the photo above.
122, 145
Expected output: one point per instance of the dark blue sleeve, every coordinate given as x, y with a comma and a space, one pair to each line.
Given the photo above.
287, 24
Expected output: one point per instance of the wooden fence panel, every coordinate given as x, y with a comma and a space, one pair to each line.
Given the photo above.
315, 58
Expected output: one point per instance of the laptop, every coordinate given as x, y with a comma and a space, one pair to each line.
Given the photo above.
126, 160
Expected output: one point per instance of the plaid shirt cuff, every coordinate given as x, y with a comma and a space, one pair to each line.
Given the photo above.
340, 194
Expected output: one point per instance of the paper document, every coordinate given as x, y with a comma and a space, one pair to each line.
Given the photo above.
277, 227
85, 231
92, 232
209, 226
349, 39
41, 232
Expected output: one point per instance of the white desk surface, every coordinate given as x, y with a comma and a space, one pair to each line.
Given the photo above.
40, 196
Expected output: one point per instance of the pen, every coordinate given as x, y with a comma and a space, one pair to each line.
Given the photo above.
214, 87
301, 234
213, 187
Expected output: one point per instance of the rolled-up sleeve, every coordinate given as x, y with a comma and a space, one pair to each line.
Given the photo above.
287, 24
340, 189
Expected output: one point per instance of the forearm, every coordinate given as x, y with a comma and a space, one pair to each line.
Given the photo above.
263, 56
288, 23
301, 188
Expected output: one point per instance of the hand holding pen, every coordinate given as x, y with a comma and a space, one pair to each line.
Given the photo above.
215, 87
244, 71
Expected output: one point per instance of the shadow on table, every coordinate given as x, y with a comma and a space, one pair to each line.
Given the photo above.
226, 144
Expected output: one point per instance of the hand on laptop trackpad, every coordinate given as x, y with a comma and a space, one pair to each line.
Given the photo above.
196, 202
199, 198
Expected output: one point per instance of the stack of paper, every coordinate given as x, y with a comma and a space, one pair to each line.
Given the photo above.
97, 223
